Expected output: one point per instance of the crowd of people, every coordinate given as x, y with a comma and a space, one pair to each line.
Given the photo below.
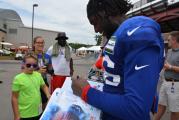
131, 68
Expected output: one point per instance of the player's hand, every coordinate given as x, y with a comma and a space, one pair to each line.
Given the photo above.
78, 84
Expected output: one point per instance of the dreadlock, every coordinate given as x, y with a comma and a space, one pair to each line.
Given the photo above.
110, 7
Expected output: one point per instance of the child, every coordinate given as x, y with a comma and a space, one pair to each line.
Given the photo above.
26, 99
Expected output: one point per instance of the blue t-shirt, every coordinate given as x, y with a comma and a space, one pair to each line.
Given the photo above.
44, 59
132, 70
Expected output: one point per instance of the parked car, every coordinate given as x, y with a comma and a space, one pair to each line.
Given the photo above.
19, 56
5, 52
1, 52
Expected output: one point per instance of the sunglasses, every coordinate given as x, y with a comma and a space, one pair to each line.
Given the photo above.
39, 42
28, 65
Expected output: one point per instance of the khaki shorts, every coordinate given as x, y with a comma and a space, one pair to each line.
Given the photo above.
167, 98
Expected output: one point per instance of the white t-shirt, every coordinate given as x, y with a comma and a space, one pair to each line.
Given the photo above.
59, 63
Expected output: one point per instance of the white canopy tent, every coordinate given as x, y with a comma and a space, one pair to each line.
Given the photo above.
23, 47
6, 43
94, 48
81, 51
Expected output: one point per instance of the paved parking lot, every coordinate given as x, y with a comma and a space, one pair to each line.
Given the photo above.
8, 69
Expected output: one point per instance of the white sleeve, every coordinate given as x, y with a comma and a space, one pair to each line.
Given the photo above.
49, 51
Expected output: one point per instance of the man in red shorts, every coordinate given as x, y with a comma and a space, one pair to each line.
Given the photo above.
62, 62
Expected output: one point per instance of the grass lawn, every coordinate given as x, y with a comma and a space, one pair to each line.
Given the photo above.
6, 57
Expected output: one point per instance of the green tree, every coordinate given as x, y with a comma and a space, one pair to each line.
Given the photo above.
78, 45
98, 39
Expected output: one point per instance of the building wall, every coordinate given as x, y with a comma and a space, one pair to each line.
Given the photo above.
25, 36
18, 35
9, 30
2, 31
13, 30
2, 23
2, 36
139, 3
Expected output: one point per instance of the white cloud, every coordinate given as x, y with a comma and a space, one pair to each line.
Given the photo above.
58, 15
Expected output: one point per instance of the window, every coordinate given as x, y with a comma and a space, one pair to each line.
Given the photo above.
4, 26
149, 1
13, 31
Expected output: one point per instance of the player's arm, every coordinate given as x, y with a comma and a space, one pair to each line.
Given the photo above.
14, 101
139, 87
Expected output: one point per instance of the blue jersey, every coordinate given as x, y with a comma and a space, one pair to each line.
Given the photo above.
132, 70
44, 59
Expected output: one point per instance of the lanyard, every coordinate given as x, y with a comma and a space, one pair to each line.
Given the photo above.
172, 88
42, 57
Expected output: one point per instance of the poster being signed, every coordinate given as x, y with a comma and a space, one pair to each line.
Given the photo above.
64, 105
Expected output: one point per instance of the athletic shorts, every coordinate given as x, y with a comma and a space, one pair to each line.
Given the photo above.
169, 98
57, 82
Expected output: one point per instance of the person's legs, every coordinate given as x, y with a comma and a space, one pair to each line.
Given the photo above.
174, 101
174, 116
162, 102
161, 111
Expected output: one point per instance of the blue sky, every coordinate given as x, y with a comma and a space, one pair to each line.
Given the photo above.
59, 15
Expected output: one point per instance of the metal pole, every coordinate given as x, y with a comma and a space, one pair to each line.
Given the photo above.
32, 27
34, 5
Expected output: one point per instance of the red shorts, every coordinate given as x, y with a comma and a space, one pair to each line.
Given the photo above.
57, 82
